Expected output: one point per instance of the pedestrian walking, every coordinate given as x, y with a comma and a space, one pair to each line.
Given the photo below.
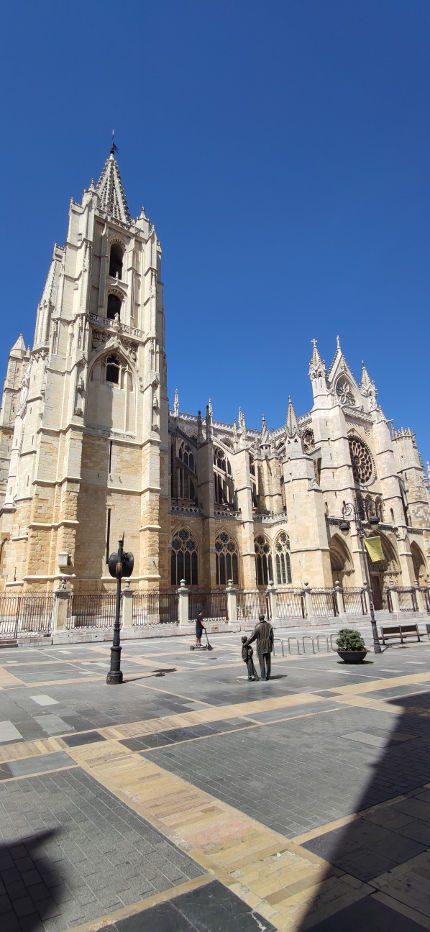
263, 634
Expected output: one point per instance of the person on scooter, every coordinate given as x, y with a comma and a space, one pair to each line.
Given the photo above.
200, 627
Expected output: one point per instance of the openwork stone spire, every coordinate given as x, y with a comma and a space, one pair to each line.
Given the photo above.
111, 191
366, 381
292, 427
316, 365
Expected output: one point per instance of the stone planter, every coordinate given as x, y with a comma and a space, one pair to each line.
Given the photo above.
352, 656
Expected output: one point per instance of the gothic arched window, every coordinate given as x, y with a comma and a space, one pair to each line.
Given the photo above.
227, 562
185, 454
223, 481
263, 561
113, 369
115, 261
183, 478
183, 563
113, 306
282, 558
253, 477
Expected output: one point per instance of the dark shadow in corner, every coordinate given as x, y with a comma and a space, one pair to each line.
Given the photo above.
378, 842
33, 885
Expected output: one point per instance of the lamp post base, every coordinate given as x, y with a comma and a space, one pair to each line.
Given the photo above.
114, 676
113, 679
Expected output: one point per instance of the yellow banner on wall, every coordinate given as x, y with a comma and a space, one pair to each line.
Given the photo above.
374, 548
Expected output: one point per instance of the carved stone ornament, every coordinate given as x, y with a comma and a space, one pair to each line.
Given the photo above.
308, 441
344, 392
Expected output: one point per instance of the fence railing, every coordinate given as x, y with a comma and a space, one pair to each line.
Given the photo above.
25, 614
252, 604
154, 607
355, 601
91, 610
407, 599
323, 602
213, 604
291, 604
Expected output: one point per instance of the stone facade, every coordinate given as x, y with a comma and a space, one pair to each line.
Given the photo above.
89, 449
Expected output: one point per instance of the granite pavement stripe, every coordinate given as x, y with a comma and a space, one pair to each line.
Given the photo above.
209, 829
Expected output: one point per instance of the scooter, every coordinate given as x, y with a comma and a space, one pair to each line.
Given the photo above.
206, 646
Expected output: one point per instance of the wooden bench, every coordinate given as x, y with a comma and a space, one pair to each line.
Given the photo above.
389, 632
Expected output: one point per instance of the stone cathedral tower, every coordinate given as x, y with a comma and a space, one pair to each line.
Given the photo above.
87, 456
89, 449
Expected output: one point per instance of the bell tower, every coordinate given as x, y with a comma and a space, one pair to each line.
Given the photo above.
90, 452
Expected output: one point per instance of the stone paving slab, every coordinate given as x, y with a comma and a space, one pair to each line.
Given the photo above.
212, 908
257, 788
70, 850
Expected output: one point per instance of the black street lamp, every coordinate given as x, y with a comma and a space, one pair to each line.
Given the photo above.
120, 564
350, 512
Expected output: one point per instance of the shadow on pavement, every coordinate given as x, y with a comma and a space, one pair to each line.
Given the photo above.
378, 848
33, 886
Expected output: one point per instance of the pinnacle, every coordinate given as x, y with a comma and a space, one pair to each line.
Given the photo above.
19, 344
291, 425
316, 360
111, 191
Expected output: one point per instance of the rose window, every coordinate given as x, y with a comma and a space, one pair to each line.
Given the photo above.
344, 393
361, 460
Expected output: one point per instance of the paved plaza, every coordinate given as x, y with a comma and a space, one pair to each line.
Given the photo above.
190, 799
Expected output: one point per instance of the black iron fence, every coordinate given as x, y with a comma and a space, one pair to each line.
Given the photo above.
407, 599
355, 601
323, 602
291, 604
91, 610
252, 604
154, 607
25, 614
213, 604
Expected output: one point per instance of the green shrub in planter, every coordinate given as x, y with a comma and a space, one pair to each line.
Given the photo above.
348, 639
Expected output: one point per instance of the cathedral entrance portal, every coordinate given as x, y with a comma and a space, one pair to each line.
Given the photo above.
377, 583
383, 572
340, 559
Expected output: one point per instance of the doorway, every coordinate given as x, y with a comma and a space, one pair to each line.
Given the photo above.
377, 590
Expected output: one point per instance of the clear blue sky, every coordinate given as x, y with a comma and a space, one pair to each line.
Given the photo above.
282, 150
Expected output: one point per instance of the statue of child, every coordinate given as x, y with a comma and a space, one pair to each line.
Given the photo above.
247, 653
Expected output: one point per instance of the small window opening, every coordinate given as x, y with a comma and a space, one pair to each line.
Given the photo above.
113, 306
115, 262
108, 534
112, 369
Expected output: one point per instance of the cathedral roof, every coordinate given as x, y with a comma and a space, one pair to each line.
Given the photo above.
111, 191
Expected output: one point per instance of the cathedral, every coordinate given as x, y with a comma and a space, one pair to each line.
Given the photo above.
89, 448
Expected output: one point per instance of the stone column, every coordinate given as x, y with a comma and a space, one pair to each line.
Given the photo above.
307, 592
231, 601
59, 613
338, 595
394, 599
421, 602
272, 593
183, 610
127, 606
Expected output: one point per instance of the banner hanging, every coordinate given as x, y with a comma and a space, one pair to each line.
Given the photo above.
373, 546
